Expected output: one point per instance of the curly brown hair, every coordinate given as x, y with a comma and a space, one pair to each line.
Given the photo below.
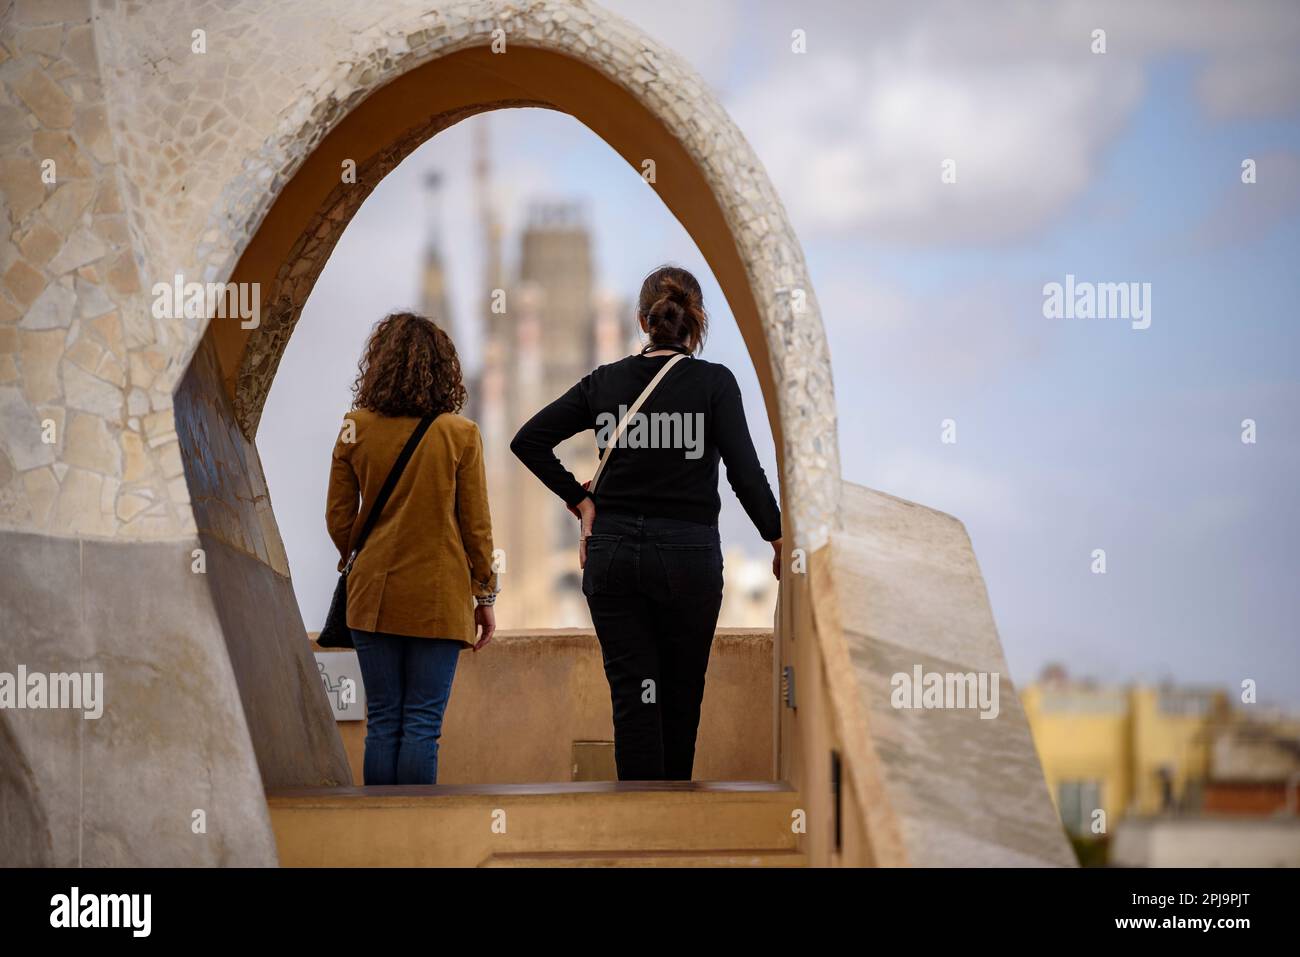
410, 368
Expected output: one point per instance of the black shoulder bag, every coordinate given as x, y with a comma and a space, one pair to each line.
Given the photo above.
335, 632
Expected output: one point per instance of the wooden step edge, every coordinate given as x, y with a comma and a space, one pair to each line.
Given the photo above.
410, 795
725, 857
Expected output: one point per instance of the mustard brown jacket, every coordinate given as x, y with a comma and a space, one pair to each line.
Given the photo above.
430, 552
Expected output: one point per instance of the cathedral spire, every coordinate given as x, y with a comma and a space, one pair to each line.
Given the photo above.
434, 291
490, 223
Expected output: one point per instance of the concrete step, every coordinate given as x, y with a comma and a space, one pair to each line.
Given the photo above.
601, 823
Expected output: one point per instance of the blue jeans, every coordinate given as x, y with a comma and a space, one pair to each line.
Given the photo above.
408, 684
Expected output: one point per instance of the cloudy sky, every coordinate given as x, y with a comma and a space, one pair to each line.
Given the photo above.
1072, 434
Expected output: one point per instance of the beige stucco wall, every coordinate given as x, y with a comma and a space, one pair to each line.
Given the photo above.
247, 573
953, 785
518, 707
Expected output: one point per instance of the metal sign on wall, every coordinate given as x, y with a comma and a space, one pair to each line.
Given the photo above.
340, 673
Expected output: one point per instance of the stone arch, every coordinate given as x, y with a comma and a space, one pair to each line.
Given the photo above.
374, 109
640, 98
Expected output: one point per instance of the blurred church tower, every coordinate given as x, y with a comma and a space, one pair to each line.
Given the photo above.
542, 327
434, 281
541, 331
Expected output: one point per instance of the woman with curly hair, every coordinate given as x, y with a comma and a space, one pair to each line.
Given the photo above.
422, 588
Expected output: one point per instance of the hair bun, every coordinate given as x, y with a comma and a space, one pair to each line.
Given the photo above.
666, 321
672, 306
670, 288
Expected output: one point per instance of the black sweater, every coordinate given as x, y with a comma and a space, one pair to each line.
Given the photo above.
678, 478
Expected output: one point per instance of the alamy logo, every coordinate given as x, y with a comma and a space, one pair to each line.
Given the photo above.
211, 300
103, 910
938, 690
77, 691
654, 430
1098, 300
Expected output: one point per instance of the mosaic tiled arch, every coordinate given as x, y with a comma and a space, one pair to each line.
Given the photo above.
658, 80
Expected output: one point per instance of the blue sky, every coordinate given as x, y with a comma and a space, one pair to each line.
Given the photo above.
1072, 434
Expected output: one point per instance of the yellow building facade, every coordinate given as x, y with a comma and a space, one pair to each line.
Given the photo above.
1120, 750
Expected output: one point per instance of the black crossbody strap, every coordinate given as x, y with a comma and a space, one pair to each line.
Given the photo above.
390, 483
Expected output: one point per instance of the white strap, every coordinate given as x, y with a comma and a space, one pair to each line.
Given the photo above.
622, 425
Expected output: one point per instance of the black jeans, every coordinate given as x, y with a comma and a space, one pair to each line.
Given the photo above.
654, 587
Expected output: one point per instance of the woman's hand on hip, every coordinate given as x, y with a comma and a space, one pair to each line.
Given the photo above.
485, 622
586, 516
776, 558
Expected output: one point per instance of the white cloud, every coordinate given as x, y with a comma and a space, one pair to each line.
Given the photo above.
858, 142
1262, 86
1247, 213
957, 335
1250, 51
854, 131
704, 34
972, 494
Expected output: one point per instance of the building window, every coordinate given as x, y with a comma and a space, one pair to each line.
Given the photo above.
1190, 704
1077, 800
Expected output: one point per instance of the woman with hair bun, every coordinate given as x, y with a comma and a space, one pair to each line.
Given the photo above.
649, 546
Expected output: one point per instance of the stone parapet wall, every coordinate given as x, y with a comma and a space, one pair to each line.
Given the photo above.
555, 683
960, 779
165, 774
